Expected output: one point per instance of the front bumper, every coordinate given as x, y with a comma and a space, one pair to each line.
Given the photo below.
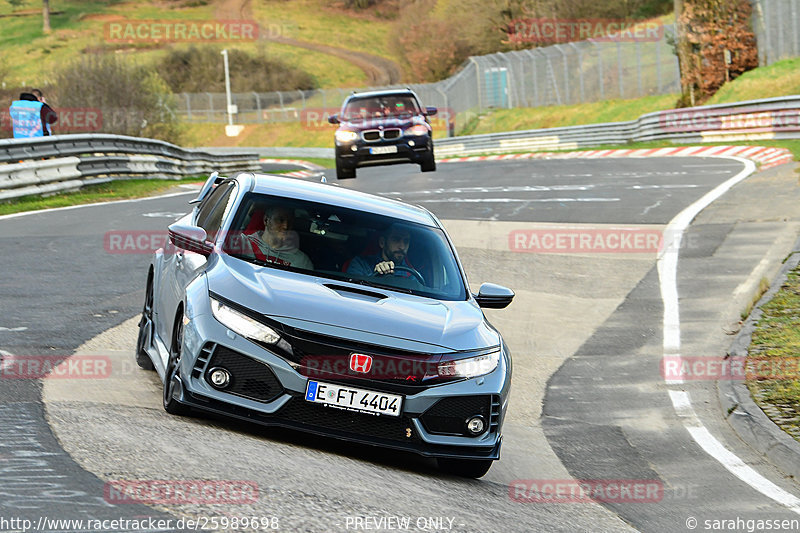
275, 397
418, 153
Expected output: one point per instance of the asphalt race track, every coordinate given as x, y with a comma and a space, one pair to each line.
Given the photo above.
586, 331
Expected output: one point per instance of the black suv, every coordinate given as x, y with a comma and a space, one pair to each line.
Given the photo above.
383, 128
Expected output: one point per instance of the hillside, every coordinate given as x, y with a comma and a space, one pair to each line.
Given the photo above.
311, 35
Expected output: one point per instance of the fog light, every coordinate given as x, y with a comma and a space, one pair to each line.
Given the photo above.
220, 378
354, 148
411, 143
476, 425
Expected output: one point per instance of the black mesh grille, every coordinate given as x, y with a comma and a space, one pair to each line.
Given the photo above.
249, 378
381, 427
391, 134
372, 135
449, 415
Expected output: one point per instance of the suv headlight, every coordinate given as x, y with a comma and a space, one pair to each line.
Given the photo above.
345, 136
416, 131
470, 367
243, 324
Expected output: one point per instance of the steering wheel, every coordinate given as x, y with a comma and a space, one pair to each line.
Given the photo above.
411, 271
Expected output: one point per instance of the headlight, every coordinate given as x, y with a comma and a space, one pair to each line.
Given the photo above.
345, 136
470, 367
416, 131
243, 324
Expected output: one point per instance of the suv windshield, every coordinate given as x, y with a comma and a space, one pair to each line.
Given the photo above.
401, 105
344, 244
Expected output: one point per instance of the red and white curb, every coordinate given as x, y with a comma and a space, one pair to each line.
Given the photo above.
314, 170
767, 157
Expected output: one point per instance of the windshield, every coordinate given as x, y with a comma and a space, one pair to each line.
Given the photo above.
380, 107
344, 244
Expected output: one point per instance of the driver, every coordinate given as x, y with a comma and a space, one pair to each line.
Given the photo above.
394, 243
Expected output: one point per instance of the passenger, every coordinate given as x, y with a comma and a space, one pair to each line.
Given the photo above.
278, 243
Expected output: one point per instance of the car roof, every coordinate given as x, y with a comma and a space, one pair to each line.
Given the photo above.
384, 92
335, 195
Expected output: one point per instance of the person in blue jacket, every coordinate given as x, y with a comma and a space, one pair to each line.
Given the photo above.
31, 116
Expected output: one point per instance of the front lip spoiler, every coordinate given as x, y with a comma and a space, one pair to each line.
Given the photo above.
211, 405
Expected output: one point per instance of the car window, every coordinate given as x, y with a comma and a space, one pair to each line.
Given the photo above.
345, 244
209, 216
379, 107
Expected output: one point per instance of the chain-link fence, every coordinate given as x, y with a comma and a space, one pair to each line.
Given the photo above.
777, 29
586, 71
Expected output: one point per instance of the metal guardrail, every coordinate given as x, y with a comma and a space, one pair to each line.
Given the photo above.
767, 119
66, 162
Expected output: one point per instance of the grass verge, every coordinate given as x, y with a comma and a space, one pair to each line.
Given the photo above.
103, 192
776, 340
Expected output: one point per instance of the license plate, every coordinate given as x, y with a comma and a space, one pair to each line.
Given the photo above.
353, 399
383, 150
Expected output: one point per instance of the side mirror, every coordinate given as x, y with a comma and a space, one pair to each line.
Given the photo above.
430, 111
334, 119
190, 238
491, 296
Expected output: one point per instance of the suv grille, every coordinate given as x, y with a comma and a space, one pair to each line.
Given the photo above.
448, 416
377, 135
249, 378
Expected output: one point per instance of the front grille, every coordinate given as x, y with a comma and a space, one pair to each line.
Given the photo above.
328, 358
249, 378
371, 135
448, 416
377, 135
355, 424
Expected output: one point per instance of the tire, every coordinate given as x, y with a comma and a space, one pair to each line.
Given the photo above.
146, 328
344, 173
171, 405
465, 467
429, 165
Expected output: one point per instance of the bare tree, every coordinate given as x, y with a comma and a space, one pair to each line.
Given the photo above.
46, 16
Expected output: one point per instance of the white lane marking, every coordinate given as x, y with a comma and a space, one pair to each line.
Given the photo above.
511, 200
163, 214
18, 328
713, 447
681, 401
129, 201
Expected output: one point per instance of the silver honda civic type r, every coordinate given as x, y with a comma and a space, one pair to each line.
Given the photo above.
309, 306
